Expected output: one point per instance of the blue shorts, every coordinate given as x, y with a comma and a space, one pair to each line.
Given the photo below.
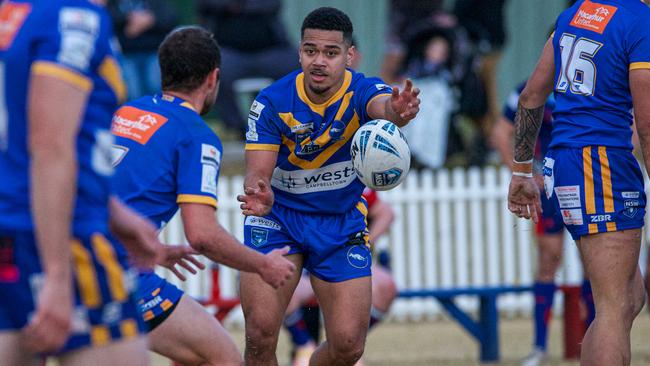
105, 309
595, 189
157, 299
335, 247
550, 222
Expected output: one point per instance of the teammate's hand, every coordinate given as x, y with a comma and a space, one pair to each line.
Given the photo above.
49, 328
404, 105
182, 255
141, 241
256, 201
523, 198
277, 269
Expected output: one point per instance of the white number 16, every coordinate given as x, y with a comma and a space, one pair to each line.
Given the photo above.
578, 70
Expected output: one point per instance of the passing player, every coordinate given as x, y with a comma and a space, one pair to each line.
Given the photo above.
64, 282
298, 142
384, 291
168, 158
597, 63
549, 228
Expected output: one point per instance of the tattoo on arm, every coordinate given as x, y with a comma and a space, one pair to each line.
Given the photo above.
527, 124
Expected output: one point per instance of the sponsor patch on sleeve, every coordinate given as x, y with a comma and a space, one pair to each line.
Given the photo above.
79, 29
256, 110
251, 134
209, 179
210, 155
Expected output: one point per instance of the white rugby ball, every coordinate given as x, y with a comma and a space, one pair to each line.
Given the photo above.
380, 155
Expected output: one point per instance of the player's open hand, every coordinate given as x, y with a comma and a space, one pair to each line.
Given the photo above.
405, 105
523, 198
181, 255
277, 269
49, 328
256, 201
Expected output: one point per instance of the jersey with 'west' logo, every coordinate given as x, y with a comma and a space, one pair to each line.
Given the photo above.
164, 154
314, 170
69, 40
596, 45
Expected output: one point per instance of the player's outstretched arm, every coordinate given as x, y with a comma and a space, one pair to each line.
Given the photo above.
523, 194
140, 237
257, 199
209, 238
381, 216
399, 108
54, 113
640, 88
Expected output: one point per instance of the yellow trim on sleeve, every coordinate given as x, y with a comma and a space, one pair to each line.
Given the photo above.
639, 65
373, 98
195, 198
262, 147
110, 71
63, 73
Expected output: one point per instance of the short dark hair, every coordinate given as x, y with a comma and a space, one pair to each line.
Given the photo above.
187, 56
330, 19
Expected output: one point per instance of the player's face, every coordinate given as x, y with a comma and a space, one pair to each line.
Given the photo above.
323, 58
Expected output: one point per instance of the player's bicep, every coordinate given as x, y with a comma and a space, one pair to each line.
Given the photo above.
197, 172
540, 83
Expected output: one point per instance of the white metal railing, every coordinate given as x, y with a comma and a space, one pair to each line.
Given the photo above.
452, 229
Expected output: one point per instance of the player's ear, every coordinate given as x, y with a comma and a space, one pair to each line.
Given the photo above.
349, 56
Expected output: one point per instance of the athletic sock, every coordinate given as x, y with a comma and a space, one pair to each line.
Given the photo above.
544, 294
297, 328
588, 299
376, 316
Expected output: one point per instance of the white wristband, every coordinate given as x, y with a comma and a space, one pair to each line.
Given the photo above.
521, 174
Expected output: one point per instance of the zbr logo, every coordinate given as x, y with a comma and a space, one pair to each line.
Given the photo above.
358, 256
593, 16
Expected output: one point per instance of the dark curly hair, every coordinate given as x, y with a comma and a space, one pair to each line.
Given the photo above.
186, 56
330, 19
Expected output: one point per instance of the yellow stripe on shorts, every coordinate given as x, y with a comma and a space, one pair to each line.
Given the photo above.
86, 276
128, 328
114, 272
606, 176
100, 335
590, 200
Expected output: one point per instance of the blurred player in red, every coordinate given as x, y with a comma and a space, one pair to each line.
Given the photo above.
380, 217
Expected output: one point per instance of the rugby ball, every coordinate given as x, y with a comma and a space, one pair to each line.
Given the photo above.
380, 155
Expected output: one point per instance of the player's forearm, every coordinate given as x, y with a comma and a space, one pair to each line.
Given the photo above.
382, 217
221, 247
53, 185
527, 124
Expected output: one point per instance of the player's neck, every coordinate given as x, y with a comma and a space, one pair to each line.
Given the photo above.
323, 97
195, 98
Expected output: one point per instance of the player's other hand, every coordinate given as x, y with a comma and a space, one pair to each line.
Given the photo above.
405, 105
523, 198
182, 255
49, 328
256, 201
277, 269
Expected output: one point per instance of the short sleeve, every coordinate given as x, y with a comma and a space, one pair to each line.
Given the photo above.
369, 89
639, 51
263, 132
199, 160
71, 53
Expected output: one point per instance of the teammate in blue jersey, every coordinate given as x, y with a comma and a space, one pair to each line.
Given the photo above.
549, 228
298, 142
598, 65
167, 157
64, 280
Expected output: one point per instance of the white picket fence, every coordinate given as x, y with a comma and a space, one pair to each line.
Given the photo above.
452, 229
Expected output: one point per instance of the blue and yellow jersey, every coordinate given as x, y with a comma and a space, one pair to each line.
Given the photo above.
314, 170
164, 154
596, 44
71, 40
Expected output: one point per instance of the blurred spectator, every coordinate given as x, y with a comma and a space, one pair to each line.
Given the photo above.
485, 24
402, 14
141, 25
254, 43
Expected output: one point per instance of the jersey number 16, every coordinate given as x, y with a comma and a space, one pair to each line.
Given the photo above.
578, 70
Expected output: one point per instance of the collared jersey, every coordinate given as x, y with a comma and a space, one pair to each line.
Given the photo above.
314, 170
596, 44
70, 40
544, 137
164, 155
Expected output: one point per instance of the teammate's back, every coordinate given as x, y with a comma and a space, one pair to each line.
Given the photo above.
595, 45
